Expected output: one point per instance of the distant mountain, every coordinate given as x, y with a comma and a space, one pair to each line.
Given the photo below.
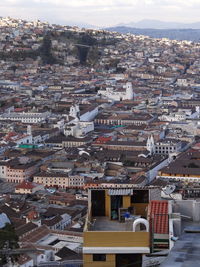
157, 24
173, 34
81, 25
64, 22
77, 23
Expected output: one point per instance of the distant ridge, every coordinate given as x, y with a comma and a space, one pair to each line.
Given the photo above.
157, 24
173, 34
76, 23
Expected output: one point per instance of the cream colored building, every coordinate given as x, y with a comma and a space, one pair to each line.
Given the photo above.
27, 187
59, 180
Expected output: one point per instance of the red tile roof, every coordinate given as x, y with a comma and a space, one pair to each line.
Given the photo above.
25, 185
158, 215
19, 109
103, 140
36, 235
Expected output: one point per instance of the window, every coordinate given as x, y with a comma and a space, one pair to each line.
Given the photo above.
99, 257
140, 196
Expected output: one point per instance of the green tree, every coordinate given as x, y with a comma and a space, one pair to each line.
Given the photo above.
13, 68
8, 239
45, 50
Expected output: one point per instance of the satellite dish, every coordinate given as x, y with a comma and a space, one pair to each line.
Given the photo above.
83, 152
169, 189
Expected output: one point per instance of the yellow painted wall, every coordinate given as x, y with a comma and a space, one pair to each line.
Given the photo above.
126, 201
88, 261
116, 239
179, 175
108, 205
140, 208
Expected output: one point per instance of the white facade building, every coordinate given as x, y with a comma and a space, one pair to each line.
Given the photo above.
181, 115
168, 146
26, 139
118, 96
45, 255
25, 117
88, 115
79, 128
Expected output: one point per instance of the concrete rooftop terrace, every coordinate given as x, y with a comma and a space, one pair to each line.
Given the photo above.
105, 224
186, 250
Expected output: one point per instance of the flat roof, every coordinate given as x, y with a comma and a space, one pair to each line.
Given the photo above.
105, 224
186, 250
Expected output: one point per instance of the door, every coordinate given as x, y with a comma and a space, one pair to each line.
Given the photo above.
98, 203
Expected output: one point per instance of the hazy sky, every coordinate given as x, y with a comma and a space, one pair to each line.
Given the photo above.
102, 12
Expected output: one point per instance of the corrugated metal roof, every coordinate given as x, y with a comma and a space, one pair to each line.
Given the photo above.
120, 192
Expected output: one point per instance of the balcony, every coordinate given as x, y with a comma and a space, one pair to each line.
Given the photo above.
102, 235
116, 242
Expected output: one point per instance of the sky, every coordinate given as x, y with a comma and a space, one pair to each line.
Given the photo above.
102, 12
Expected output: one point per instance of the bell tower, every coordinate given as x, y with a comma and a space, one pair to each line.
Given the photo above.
129, 91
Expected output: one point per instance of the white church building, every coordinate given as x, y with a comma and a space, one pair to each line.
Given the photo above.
115, 95
88, 115
79, 129
80, 125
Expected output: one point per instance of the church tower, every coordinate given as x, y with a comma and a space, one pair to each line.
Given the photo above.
74, 111
29, 130
151, 145
129, 91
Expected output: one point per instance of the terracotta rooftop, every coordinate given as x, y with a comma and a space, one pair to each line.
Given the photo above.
53, 221
36, 235
25, 229
158, 215
23, 259
25, 185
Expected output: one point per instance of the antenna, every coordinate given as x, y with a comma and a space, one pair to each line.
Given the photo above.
169, 189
